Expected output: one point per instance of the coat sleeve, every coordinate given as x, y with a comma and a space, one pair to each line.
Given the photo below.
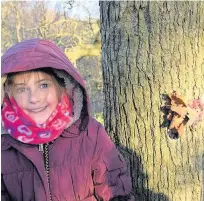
4, 192
109, 169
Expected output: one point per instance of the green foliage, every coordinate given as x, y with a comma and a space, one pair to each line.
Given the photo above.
99, 117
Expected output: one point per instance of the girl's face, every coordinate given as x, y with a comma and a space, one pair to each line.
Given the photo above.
36, 94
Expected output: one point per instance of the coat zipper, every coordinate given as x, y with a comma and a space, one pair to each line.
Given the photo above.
41, 147
45, 149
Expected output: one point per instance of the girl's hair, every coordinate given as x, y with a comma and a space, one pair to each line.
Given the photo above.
47, 70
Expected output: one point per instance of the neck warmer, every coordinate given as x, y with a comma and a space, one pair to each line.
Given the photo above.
21, 127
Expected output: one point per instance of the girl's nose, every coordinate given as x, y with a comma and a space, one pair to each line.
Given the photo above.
34, 96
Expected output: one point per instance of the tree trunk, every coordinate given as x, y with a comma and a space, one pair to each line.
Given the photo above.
149, 49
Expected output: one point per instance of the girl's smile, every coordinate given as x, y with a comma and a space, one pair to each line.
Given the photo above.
38, 109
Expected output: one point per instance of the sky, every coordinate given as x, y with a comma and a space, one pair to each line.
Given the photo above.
81, 9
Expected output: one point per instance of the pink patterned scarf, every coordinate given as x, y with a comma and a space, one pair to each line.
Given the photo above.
21, 127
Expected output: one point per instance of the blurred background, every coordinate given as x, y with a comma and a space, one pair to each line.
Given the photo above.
72, 25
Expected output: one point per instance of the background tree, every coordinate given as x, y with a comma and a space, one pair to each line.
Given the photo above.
23, 19
12, 12
149, 49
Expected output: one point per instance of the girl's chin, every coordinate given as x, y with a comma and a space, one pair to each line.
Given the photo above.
40, 120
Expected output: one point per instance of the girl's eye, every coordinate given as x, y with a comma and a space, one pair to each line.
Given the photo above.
21, 90
43, 86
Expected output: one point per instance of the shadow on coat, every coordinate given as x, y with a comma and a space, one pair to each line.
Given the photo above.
139, 178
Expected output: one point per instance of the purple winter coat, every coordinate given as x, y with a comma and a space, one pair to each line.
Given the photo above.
84, 164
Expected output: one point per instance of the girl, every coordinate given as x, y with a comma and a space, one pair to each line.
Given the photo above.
52, 149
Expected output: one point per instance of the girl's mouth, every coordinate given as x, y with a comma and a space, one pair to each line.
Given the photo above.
38, 109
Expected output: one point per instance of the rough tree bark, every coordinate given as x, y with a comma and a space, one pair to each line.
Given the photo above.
149, 49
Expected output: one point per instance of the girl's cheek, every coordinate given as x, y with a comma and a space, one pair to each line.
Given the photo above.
59, 93
21, 101
43, 93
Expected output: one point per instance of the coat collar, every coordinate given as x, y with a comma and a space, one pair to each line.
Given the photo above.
76, 128
8, 141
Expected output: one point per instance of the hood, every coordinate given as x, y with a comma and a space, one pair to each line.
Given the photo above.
38, 53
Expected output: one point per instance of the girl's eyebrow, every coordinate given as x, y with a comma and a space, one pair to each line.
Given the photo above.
19, 84
43, 80
16, 84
